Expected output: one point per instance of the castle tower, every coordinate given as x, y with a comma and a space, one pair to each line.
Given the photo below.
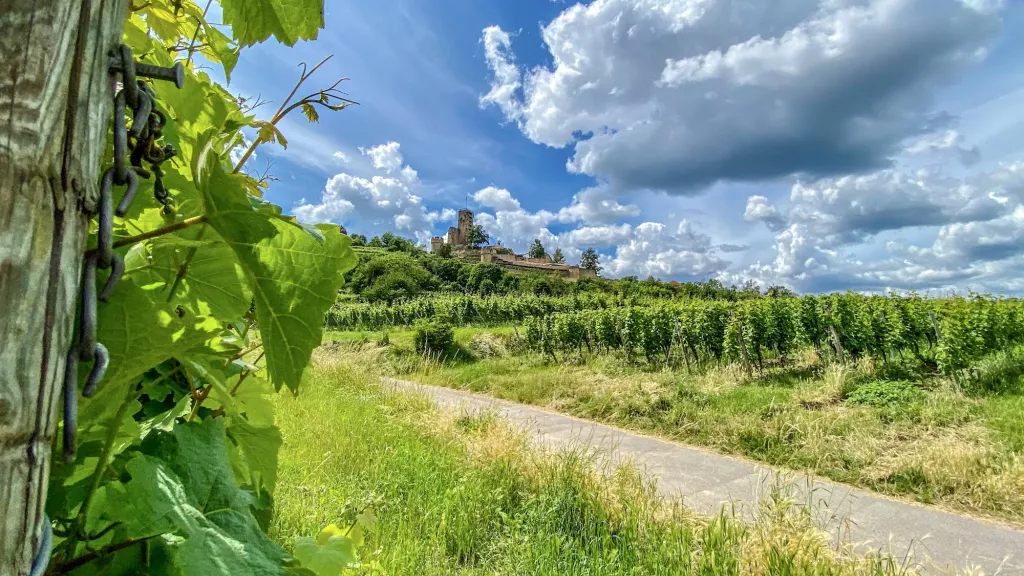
465, 223
435, 244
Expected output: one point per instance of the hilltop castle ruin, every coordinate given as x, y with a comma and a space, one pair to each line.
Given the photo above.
458, 236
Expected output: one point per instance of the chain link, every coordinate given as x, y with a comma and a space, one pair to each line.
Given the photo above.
134, 144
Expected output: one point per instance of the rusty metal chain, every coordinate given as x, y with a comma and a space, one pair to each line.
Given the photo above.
132, 144
141, 138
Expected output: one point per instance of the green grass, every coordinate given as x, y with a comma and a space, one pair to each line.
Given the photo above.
403, 338
892, 428
467, 496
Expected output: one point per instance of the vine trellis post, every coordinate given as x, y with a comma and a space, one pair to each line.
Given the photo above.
55, 94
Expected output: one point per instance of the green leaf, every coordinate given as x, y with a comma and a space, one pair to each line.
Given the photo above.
310, 111
214, 284
288, 21
140, 330
294, 278
184, 485
252, 399
270, 133
259, 446
328, 555
223, 48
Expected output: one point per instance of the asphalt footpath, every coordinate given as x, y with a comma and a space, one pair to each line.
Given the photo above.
935, 541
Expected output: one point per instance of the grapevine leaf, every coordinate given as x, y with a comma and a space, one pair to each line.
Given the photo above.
310, 111
328, 555
163, 23
259, 446
289, 21
214, 284
268, 132
223, 48
184, 485
252, 400
294, 278
139, 330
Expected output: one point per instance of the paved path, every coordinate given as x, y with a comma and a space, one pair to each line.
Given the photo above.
706, 481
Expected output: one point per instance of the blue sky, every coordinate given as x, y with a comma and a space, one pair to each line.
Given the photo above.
821, 144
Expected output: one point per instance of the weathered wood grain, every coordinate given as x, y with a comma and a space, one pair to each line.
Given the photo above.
43, 225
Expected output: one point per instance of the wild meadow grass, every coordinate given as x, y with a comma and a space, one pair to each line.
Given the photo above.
466, 495
894, 428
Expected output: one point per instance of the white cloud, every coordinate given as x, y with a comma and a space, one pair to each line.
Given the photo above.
759, 210
496, 198
341, 157
655, 250
944, 144
676, 94
650, 248
387, 157
596, 205
235, 154
976, 222
376, 202
500, 61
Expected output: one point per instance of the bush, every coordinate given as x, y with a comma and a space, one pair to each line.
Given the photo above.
886, 394
487, 345
434, 337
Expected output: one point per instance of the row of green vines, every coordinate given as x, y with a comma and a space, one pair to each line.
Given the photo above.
221, 305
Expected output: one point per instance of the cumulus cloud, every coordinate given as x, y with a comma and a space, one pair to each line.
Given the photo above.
977, 223
496, 198
387, 157
656, 250
942, 145
506, 77
650, 248
596, 205
676, 94
387, 202
759, 210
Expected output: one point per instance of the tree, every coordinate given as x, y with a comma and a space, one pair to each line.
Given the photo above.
358, 239
477, 236
388, 277
537, 249
776, 291
590, 260
482, 273
445, 251
557, 257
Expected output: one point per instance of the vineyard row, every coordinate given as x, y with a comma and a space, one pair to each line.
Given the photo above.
953, 332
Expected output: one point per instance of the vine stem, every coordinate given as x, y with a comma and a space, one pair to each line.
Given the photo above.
127, 240
183, 269
234, 390
97, 475
281, 112
199, 25
95, 555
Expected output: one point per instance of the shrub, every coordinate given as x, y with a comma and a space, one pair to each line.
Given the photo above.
433, 337
487, 345
886, 394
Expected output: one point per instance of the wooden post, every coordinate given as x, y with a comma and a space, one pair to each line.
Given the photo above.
56, 98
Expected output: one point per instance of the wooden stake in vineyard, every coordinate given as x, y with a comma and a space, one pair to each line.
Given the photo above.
56, 97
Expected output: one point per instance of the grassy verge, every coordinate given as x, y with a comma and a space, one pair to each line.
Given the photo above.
889, 428
466, 496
